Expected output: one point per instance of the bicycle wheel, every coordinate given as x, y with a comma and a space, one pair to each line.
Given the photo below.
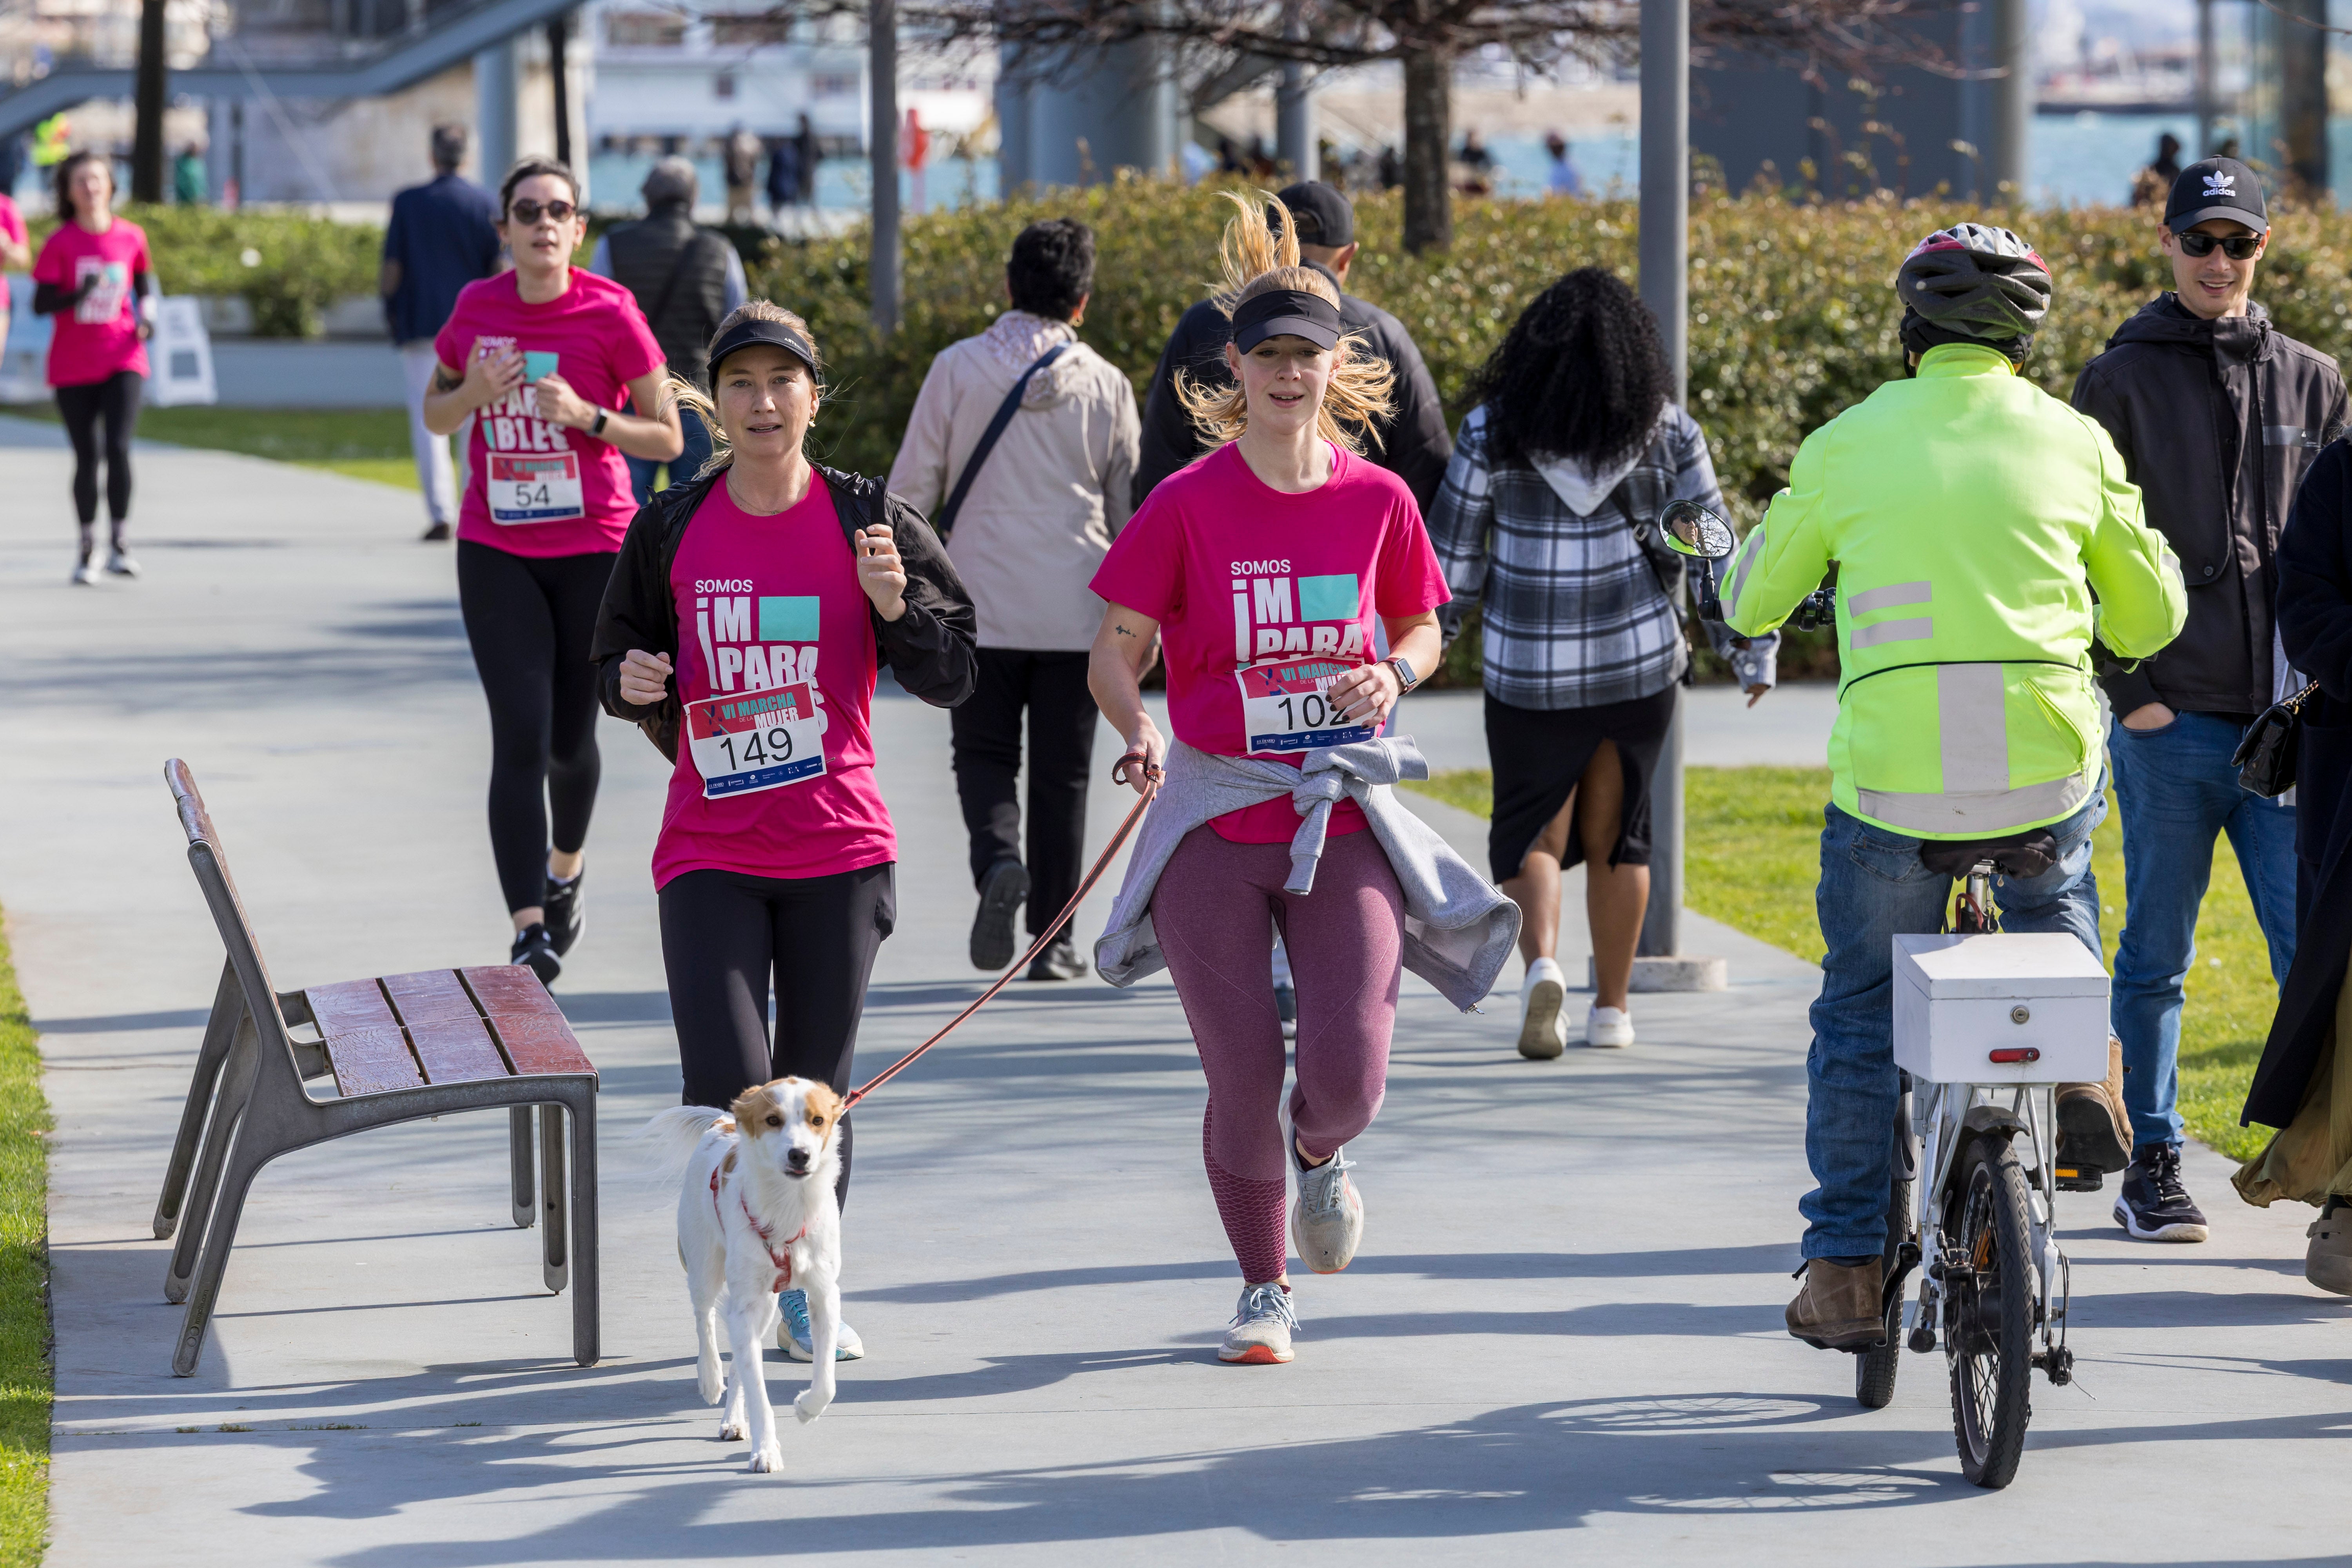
1989, 1313
1874, 1370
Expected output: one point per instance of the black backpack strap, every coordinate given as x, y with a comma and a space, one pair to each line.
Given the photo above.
945, 522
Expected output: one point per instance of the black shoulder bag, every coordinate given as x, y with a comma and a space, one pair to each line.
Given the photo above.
2265, 756
945, 522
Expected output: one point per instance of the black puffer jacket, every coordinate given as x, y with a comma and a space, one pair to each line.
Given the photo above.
2185, 399
929, 649
1413, 444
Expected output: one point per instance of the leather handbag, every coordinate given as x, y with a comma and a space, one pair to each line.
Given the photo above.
2265, 756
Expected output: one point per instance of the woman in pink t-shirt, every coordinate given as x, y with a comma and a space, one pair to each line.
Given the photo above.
540, 359
743, 628
15, 253
1260, 570
94, 279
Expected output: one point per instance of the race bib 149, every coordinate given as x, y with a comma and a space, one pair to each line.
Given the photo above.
762, 741
1285, 709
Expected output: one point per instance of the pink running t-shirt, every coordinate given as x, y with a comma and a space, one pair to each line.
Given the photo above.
12, 229
99, 336
537, 489
775, 666
1262, 598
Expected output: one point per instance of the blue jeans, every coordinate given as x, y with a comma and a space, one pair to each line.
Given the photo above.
1873, 889
682, 468
2177, 790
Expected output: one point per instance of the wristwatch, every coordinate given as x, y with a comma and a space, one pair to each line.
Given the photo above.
1406, 678
598, 427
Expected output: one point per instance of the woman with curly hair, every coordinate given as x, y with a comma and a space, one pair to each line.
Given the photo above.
1547, 520
1260, 569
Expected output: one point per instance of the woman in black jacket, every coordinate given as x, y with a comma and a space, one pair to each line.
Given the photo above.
2303, 1085
746, 620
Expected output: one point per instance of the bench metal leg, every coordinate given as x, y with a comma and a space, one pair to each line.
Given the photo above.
557, 1268
244, 1162
586, 1294
526, 1201
229, 1010
228, 1115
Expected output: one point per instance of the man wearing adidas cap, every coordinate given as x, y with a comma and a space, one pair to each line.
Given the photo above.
2217, 414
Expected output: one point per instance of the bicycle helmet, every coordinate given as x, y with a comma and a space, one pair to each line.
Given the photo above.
1972, 283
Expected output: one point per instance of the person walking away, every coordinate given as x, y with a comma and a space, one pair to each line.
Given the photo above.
2304, 1084
1548, 518
443, 234
783, 174
684, 278
1409, 439
2154, 184
190, 187
743, 626
2217, 414
1975, 520
1038, 510
94, 279
743, 164
1261, 569
1561, 178
810, 152
548, 352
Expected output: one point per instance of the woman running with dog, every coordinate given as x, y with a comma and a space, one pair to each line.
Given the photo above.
1260, 569
743, 628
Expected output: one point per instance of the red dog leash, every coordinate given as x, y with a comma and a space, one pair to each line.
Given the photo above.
1119, 774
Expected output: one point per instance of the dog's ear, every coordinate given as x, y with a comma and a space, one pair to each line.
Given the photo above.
759, 1110
823, 1109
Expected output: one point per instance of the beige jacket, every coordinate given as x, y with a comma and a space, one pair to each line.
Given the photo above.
1043, 509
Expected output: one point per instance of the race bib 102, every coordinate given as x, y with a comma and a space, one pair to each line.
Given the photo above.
764, 741
533, 487
1285, 709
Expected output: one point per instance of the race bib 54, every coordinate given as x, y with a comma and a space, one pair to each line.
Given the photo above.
540, 487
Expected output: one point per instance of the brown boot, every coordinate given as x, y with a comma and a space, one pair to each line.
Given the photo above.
1840, 1307
2093, 1129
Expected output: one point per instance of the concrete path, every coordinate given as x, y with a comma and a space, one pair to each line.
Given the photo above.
1563, 1334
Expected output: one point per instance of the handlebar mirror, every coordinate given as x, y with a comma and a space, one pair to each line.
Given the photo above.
1692, 530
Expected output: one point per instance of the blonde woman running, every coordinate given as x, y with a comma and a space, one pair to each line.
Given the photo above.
1260, 568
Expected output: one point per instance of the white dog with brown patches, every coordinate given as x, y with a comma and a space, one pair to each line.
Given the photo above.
757, 1215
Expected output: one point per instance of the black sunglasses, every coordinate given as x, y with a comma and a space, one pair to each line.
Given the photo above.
2238, 247
526, 212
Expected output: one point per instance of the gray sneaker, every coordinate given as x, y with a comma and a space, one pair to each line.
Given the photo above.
1328, 1220
1259, 1334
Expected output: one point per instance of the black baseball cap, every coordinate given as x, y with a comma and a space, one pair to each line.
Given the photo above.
2217, 187
1321, 215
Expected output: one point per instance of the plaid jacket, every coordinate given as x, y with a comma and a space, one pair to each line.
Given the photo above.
1575, 613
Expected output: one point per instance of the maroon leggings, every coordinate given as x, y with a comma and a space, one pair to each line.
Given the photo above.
1211, 912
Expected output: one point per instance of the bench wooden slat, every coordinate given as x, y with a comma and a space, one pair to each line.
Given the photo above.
429, 997
541, 1044
369, 1061
350, 1006
457, 1051
510, 990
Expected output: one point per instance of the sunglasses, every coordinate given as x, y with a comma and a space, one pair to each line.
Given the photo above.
528, 212
2236, 247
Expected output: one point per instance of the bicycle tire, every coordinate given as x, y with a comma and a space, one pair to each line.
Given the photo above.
1989, 1322
1874, 1371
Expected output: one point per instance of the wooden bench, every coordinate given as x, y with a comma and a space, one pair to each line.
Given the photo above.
400, 1048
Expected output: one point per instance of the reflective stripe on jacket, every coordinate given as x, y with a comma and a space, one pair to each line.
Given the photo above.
1972, 518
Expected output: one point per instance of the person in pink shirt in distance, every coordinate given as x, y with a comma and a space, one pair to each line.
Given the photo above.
15, 253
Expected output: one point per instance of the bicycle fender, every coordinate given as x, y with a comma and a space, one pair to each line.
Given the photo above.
1987, 1121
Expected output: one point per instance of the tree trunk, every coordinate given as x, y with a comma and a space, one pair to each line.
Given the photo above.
1428, 128
558, 31
2303, 97
147, 141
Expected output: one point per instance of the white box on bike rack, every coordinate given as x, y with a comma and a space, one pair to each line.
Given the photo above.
1959, 1000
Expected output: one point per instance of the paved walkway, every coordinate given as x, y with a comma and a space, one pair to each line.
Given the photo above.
1563, 1334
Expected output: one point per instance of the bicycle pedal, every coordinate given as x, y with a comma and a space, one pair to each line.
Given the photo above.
2078, 1178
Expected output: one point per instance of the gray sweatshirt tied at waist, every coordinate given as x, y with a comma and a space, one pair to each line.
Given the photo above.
1458, 927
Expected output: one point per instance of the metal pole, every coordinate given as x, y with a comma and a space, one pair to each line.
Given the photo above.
2012, 100
882, 135
2205, 64
1293, 124
557, 27
493, 111
1664, 253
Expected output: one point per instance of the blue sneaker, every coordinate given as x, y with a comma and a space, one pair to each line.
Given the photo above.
792, 1332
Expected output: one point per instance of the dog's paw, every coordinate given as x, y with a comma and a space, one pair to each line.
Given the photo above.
711, 1386
731, 1431
810, 1405
767, 1461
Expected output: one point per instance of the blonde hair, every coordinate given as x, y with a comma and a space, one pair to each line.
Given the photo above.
1257, 260
686, 394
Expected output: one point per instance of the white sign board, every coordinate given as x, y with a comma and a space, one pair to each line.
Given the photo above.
181, 355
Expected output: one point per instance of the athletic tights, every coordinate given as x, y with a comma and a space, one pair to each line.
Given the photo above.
724, 934
529, 620
115, 402
1345, 938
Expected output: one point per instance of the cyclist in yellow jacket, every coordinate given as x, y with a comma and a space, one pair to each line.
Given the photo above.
1983, 532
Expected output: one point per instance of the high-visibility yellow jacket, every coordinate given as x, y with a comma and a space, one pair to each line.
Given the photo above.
1972, 518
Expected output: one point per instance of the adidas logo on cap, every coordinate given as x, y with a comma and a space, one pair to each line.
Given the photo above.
2219, 185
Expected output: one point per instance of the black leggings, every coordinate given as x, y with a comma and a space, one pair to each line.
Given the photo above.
116, 401
723, 933
530, 621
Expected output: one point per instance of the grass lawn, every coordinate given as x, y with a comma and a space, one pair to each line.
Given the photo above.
365, 443
1751, 857
25, 1380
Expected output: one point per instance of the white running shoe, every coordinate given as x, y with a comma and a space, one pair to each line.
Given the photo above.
1543, 998
85, 574
1327, 1221
1611, 1029
1259, 1334
118, 563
